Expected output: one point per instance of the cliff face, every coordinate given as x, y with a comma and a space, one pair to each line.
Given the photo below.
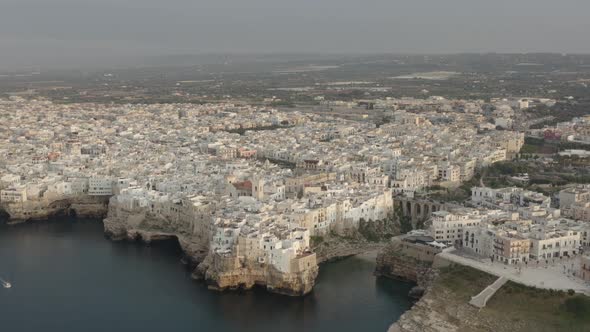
222, 273
434, 312
445, 306
428, 315
392, 263
219, 272
147, 228
83, 206
370, 237
438, 309
4, 216
333, 248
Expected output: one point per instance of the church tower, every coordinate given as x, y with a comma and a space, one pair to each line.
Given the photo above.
257, 187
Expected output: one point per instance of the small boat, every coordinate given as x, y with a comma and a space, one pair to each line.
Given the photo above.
5, 283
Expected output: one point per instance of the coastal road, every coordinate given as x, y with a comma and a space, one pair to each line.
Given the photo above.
550, 277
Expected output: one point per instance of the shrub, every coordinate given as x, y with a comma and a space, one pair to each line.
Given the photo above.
316, 240
578, 306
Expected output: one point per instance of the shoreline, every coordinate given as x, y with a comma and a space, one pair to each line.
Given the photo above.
226, 270
189, 263
369, 254
85, 235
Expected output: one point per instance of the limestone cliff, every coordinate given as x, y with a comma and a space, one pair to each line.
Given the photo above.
145, 227
445, 307
423, 317
441, 309
4, 216
513, 308
333, 248
393, 263
82, 206
220, 272
228, 272
369, 237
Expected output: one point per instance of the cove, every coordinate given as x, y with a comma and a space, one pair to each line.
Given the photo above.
67, 276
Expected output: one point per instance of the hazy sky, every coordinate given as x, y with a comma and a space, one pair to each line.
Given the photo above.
86, 31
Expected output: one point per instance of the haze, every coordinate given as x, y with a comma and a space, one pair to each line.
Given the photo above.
90, 32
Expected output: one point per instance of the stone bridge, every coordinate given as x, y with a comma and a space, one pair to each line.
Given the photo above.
418, 209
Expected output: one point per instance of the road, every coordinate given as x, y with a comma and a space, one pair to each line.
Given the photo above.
546, 277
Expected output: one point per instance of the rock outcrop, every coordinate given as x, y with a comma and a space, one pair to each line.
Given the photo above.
148, 228
410, 260
444, 309
334, 248
4, 216
393, 263
220, 271
422, 317
81, 206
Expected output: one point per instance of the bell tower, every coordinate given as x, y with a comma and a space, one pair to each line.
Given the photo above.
258, 187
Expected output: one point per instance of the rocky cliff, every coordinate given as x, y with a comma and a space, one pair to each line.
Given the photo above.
220, 272
147, 228
82, 206
445, 306
513, 308
4, 216
434, 312
428, 315
333, 248
393, 263
370, 237
441, 308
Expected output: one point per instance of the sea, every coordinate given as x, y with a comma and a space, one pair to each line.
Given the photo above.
67, 277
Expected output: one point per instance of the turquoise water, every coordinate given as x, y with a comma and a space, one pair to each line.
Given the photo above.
67, 277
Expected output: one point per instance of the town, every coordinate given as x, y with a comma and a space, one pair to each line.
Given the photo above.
246, 189
399, 166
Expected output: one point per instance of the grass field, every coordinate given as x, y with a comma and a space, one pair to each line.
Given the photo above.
516, 307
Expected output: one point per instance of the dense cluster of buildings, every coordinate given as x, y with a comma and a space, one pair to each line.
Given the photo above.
576, 130
256, 185
184, 166
517, 226
191, 168
574, 202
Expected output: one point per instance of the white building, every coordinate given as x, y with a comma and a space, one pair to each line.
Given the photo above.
448, 226
547, 244
100, 186
16, 194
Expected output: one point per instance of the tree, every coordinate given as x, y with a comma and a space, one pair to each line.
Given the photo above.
406, 224
420, 224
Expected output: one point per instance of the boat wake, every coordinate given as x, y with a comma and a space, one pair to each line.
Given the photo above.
5, 283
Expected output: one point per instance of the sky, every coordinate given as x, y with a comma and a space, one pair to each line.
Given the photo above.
81, 32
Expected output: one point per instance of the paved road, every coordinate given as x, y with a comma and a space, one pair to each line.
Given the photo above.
551, 277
